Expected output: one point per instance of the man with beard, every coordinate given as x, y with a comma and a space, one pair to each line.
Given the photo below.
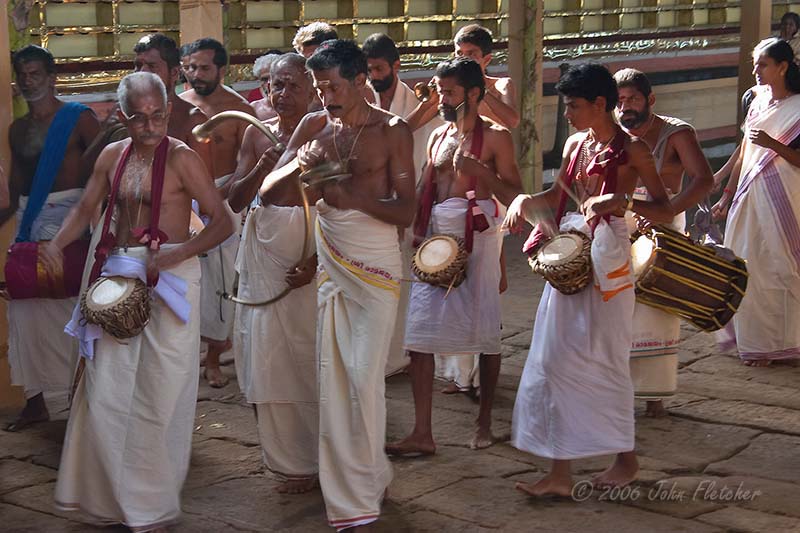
51, 162
128, 441
471, 160
383, 64
208, 61
157, 53
674, 145
363, 204
274, 345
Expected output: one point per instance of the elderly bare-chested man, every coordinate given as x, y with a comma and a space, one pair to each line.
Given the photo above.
360, 267
42, 191
656, 334
128, 441
159, 54
472, 160
274, 345
208, 62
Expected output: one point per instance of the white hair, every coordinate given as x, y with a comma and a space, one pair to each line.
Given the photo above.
264, 63
136, 84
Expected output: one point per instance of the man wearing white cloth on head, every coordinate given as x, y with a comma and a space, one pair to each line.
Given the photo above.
128, 441
274, 344
575, 397
469, 160
363, 204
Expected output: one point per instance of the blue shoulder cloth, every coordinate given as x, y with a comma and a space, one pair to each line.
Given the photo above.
55, 145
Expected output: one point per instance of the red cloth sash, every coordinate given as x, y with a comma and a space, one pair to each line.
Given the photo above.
150, 236
476, 219
607, 162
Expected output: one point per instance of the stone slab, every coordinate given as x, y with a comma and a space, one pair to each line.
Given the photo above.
745, 520
224, 420
768, 456
21, 520
15, 475
743, 414
214, 461
730, 388
728, 366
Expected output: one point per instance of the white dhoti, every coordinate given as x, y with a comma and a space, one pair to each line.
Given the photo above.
274, 345
398, 357
575, 398
218, 265
128, 441
360, 264
468, 320
41, 356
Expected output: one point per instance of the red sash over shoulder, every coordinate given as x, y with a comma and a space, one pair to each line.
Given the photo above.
476, 219
606, 162
150, 236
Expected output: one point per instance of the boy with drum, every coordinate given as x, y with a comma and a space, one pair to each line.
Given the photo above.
575, 397
470, 159
128, 441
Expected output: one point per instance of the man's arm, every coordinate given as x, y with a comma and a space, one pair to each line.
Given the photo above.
424, 112
203, 149
501, 100
89, 130
250, 171
504, 181
695, 165
658, 209
196, 180
286, 166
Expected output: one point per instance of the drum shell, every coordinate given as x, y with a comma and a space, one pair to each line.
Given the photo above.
676, 265
569, 278
453, 276
26, 277
125, 320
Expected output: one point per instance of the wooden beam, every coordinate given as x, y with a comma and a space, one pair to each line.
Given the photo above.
9, 396
200, 18
756, 21
525, 67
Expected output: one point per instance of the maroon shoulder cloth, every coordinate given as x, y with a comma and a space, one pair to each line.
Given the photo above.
476, 219
606, 163
150, 235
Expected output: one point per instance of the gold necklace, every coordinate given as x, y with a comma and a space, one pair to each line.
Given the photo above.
142, 168
355, 140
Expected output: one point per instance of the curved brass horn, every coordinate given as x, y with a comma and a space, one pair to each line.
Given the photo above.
202, 133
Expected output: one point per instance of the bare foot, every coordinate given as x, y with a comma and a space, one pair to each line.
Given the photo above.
216, 379
622, 472
757, 363
411, 446
451, 388
549, 486
297, 486
483, 438
655, 409
35, 411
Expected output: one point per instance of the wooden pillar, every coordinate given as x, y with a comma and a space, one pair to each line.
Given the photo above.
525, 67
9, 396
200, 18
756, 21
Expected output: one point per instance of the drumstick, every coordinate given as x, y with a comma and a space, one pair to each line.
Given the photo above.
568, 190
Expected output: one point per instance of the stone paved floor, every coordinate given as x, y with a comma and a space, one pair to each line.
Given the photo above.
730, 427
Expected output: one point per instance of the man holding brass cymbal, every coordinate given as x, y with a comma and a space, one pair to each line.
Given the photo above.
470, 160
274, 344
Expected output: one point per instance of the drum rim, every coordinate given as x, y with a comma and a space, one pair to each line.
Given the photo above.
577, 238
454, 251
131, 286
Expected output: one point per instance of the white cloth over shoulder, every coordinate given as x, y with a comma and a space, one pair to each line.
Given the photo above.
359, 267
128, 441
42, 358
575, 398
468, 320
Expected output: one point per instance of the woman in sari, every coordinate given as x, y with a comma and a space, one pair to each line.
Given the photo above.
762, 201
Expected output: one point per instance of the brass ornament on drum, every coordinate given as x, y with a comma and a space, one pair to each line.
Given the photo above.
565, 261
701, 284
441, 260
119, 305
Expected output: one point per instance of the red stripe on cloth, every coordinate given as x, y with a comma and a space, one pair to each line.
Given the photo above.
789, 353
787, 221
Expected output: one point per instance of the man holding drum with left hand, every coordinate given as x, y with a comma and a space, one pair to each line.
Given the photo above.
127, 446
469, 159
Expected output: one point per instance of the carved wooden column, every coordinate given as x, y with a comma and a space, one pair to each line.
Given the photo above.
756, 21
200, 18
525, 67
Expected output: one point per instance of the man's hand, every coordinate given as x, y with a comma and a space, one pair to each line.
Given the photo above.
164, 259
605, 204
268, 159
303, 274
52, 258
761, 138
515, 214
340, 195
720, 209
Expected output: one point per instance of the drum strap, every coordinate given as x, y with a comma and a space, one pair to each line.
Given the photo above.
476, 219
151, 236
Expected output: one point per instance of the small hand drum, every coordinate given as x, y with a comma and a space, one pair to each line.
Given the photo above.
121, 306
441, 260
565, 261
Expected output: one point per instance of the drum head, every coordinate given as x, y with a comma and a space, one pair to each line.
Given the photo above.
436, 254
107, 292
641, 253
560, 249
